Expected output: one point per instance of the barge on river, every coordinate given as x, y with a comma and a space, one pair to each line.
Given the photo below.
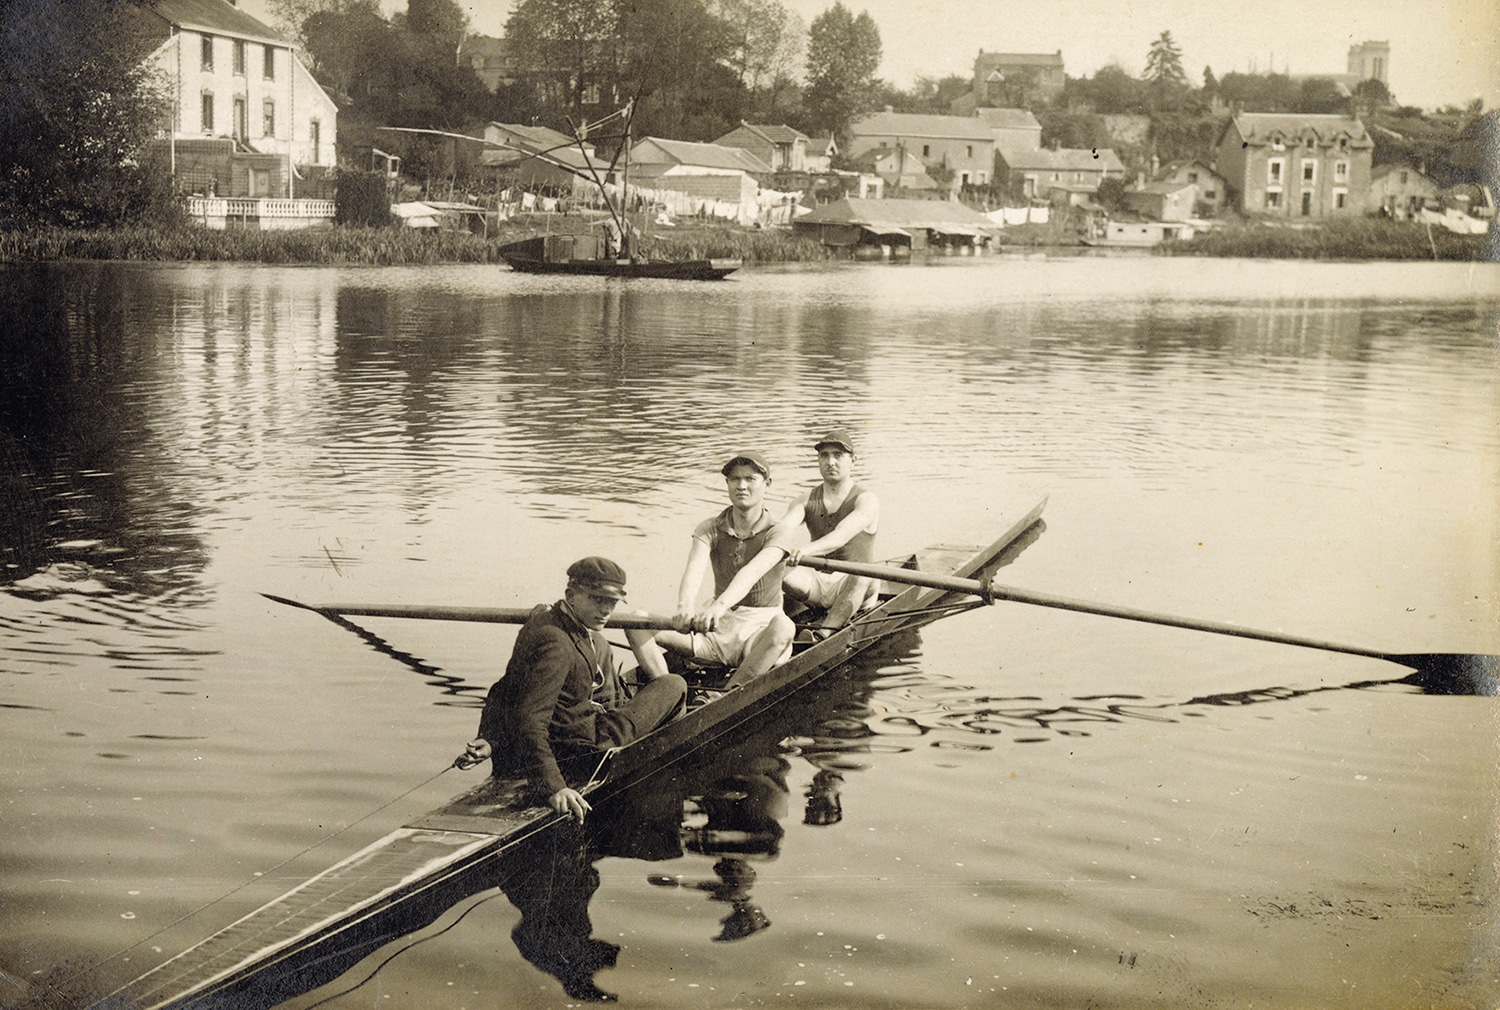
582, 254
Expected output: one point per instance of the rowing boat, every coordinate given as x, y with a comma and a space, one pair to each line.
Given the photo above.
554, 254
407, 879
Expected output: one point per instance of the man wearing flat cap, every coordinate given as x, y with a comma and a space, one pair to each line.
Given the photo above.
561, 704
743, 626
841, 518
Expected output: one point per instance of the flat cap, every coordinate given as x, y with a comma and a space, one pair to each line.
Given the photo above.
598, 575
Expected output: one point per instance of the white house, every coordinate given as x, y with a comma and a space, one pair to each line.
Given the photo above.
246, 114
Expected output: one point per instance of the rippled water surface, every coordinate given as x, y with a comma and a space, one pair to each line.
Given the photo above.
1019, 808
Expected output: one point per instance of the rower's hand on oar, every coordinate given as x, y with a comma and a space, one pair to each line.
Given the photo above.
479, 749
571, 802
708, 618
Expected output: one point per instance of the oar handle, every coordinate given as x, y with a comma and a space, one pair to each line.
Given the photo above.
992, 591
484, 615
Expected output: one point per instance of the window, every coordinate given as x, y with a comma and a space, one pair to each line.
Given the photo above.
1210, 194
207, 53
1341, 172
1343, 143
1192, 177
269, 73
239, 57
268, 119
1273, 170
1309, 171
1340, 199
969, 151
241, 124
1403, 174
1306, 203
1277, 144
1273, 198
926, 150
208, 112
591, 94
315, 138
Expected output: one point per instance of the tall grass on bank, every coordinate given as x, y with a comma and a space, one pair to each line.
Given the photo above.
1353, 239
394, 246
376, 246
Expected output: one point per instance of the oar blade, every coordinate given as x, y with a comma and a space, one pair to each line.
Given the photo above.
1452, 672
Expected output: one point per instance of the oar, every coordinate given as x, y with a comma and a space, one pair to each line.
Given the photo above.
484, 615
1447, 672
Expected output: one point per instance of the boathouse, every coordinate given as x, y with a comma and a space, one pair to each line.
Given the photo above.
898, 227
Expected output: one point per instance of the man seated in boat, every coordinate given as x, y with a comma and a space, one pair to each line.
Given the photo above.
561, 704
841, 518
744, 625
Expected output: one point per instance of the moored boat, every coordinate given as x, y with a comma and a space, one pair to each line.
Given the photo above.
581, 254
407, 879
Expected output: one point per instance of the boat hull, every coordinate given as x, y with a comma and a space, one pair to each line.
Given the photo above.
408, 879
685, 270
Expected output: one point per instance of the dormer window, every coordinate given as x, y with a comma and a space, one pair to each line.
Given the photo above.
1310, 143
1343, 143
1277, 143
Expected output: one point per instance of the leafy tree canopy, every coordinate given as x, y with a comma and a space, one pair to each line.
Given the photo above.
843, 53
77, 107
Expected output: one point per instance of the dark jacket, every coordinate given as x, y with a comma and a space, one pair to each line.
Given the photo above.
559, 679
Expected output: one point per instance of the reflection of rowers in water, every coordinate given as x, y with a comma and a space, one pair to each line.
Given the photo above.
737, 818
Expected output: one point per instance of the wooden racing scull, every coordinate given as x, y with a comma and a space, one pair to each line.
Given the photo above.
407, 879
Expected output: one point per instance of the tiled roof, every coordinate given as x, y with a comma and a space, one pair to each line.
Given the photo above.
218, 17
909, 124
1022, 59
1008, 119
1263, 127
686, 152
1065, 159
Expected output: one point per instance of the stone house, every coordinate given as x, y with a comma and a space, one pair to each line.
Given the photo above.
1001, 79
726, 177
1295, 166
1043, 174
558, 170
1015, 129
1163, 201
1212, 187
233, 79
898, 171
1399, 191
963, 145
781, 147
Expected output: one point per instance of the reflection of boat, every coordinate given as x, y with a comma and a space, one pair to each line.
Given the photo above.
409, 878
581, 254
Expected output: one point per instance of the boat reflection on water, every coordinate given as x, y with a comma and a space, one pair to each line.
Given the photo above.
729, 805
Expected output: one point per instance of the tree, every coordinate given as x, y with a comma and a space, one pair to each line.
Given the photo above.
78, 104
843, 53
1111, 91
765, 39
675, 56
1320, 96
1210, 83
565, 46
1166, 83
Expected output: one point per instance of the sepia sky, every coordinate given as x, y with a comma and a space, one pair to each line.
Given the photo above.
1442, 51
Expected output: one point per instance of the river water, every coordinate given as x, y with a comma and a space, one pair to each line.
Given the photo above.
1019, 808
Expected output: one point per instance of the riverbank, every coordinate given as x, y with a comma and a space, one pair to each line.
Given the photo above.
392, 246
1353, 239
1358, 239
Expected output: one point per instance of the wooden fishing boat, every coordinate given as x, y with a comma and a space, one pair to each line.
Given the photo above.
407, 879
580, 254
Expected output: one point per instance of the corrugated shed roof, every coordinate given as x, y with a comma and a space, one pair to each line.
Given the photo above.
217, 17
901, 214
1065, 159
910, 124
685, 152
1263, 127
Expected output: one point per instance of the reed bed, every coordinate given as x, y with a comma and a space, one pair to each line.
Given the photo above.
374, 246
1354, 239
393, 246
